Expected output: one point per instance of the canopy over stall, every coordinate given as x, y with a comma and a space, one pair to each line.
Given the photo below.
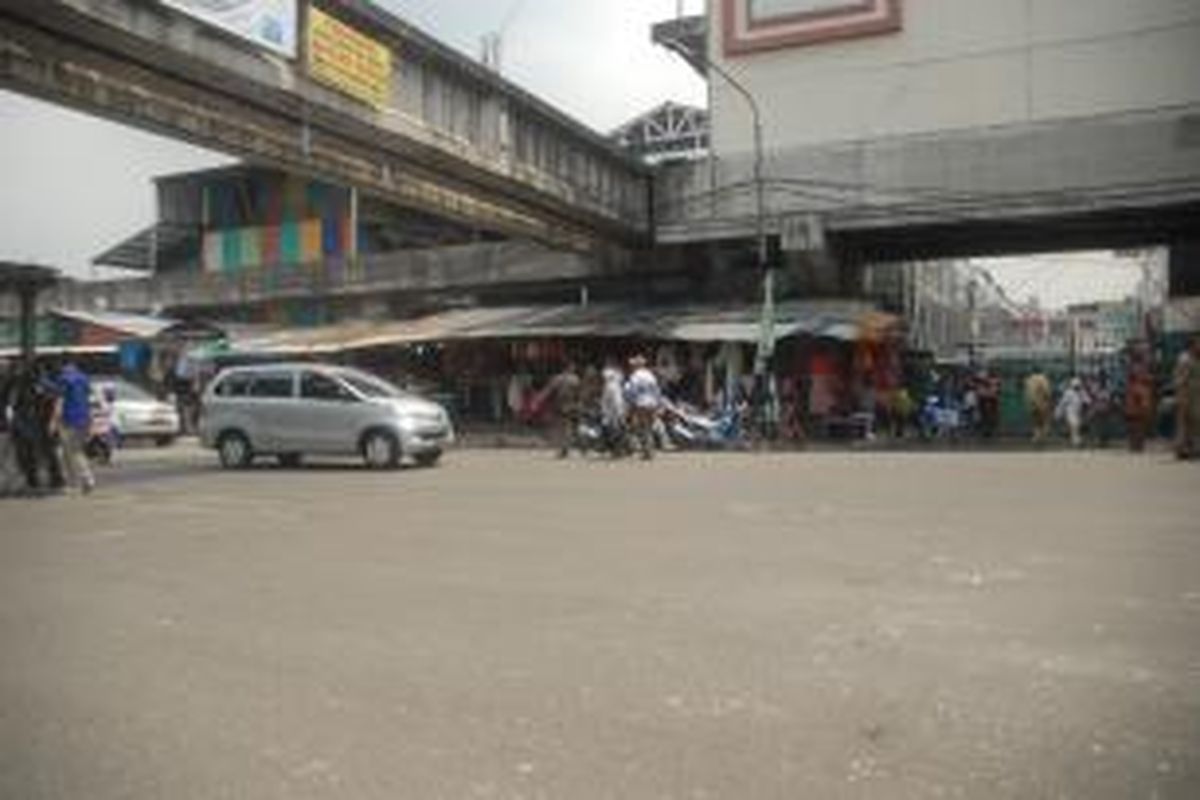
671, 323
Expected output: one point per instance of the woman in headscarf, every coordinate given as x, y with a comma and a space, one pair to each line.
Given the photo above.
612, 409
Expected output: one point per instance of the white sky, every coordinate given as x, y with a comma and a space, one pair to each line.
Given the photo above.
1060, 279
74, 185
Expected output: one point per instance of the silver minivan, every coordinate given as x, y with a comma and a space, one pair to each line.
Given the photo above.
292, 410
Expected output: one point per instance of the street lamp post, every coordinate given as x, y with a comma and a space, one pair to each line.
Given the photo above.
766, 334
26, 281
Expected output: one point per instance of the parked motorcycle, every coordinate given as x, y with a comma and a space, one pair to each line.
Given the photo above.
690, 429
939, 419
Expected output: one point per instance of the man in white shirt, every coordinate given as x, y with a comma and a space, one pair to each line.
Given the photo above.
644, 397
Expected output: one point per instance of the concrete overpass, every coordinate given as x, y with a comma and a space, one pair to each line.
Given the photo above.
450, 138
922, 128
1120, 181
972, 128
381, 285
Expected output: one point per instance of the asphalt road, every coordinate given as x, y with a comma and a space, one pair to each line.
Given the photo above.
730, 626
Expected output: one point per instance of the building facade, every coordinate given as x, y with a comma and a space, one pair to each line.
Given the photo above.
893, 114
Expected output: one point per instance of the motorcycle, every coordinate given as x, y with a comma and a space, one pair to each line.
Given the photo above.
592, 436
939, 419
689, 429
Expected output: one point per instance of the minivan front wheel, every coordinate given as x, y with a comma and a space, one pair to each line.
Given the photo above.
381, 450
234, 450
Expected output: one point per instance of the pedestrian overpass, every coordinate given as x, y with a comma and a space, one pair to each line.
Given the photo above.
398, 114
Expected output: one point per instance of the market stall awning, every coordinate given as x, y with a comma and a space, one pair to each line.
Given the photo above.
662, 323
668, 323
133, 326
744, 332
787, 325
62, 350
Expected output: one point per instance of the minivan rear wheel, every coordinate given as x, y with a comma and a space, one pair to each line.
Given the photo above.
234, 450
381, 450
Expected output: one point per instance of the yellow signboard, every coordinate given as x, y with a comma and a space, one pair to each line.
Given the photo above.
341, 57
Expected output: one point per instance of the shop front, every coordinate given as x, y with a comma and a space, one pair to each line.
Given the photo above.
490, 365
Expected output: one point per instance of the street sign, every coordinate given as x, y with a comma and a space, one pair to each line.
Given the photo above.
349, 61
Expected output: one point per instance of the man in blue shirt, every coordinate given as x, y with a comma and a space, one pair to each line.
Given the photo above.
75, 422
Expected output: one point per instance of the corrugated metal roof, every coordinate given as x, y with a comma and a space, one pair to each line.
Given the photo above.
137, 326
62, 350
147, 247
689, 324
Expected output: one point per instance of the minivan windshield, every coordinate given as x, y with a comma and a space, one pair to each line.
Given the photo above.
369, 385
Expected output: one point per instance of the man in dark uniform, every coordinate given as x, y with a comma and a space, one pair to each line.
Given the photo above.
34, 401
566, 390
9, 478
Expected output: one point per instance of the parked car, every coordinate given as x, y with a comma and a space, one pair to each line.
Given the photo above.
289, 411
135, 414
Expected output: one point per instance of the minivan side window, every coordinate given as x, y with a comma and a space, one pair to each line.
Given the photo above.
236, 385
272, 385
315, 386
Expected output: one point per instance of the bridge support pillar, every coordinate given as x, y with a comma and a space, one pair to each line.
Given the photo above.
823, 273
1184, 267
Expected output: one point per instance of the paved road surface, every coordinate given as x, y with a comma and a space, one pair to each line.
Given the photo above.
832, 626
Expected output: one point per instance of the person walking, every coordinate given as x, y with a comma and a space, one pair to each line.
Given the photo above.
73, 423
566, 390
48, 435
10, 475
901, 413
33, 395
23, 425
988, 390
591, 388
1071, 408
1139, 405
613, 410
1039, 402
1187, 400
1103, 409
644, 397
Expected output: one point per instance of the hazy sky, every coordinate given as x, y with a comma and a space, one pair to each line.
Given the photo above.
1060, 279
73, 185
